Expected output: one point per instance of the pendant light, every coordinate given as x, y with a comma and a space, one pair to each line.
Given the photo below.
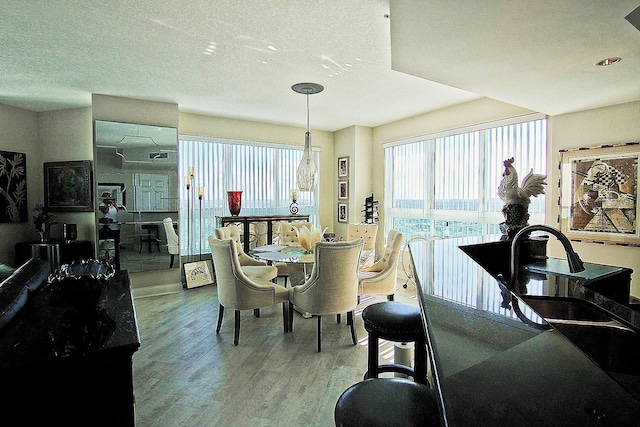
307, 170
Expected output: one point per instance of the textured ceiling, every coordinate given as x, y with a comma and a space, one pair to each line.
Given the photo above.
239, 58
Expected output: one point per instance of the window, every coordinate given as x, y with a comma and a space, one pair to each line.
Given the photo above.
264, 172
446, 184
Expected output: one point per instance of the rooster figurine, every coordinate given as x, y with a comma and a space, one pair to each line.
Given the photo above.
516, 199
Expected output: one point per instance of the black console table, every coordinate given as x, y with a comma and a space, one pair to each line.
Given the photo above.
55, 251
70, 363
221, 221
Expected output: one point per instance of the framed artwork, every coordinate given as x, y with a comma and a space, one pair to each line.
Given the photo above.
343, 212
68, 186
343, 167
198, 273
116, 189
343, 190
598, 199
13, 187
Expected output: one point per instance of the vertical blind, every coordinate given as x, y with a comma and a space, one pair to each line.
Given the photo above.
265, 173
446, 185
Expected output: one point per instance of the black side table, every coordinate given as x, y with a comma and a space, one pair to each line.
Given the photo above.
55, 251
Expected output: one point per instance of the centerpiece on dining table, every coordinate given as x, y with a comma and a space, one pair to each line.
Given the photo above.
308, 238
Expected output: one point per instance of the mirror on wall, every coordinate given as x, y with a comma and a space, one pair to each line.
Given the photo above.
136, 188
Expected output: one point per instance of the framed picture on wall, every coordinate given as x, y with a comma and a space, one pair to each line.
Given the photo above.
68, 186
343, 167
343, 212
598, 198
343, 190
13, 181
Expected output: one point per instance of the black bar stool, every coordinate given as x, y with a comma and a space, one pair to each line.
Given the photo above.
387, 402
398, 322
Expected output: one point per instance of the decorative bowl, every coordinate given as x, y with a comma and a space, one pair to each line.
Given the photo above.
82, 281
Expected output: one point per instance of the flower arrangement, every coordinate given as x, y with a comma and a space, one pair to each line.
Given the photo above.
43, 220
308, 238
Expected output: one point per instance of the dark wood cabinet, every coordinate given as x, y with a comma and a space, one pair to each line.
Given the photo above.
70, 363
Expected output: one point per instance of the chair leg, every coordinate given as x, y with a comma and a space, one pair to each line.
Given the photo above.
171, 262
236, 333
338, 318
220, 314
256, 312
319, 334
390, 297
350, 322
290, 316
285, 316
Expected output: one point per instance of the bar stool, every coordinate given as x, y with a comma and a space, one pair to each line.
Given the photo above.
387, 402
150, 234
398, 322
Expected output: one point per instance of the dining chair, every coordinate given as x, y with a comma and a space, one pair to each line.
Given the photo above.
238, 291
368, 233
172, 239
381, 277
332, 287
251, 266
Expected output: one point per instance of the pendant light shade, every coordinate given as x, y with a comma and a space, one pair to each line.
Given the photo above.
307, 170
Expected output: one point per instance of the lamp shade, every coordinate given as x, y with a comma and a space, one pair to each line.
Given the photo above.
307, 173
307, 170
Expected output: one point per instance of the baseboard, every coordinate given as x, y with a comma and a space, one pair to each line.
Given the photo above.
152, 291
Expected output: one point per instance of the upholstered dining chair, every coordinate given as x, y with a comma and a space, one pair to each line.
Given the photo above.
332, 287
237, 291
380, 278
286, 235
251, 266
172, 239
368, 233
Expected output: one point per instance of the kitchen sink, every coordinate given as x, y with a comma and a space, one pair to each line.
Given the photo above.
566, 309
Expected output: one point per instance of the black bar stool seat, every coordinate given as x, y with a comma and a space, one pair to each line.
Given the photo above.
387, 402
398, 322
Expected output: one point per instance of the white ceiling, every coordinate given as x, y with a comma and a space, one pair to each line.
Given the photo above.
239, 58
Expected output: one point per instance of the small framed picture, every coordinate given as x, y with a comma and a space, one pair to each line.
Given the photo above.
343, 190
343, 212
198, 273
343, 167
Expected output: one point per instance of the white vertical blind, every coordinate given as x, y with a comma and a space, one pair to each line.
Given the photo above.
265, 173
446, 185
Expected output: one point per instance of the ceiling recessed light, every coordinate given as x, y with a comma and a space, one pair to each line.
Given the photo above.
608, 61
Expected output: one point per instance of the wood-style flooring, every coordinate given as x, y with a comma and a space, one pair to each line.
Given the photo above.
186, 375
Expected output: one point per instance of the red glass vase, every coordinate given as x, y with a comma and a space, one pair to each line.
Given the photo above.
235, 202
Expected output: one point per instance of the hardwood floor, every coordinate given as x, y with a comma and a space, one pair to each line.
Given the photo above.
186, 375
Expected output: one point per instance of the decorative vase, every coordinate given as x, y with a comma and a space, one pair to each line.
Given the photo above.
235, 202
44, 232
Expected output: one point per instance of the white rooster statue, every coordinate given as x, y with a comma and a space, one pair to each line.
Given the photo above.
516, 199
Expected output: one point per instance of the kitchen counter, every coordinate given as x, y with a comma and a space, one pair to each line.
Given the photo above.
496, 361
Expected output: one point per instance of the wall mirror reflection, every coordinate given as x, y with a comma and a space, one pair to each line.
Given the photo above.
136, 189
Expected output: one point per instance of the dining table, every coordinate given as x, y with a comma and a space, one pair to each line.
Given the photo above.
292, 254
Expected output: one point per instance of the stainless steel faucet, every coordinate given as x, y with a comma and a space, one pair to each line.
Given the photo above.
575, 263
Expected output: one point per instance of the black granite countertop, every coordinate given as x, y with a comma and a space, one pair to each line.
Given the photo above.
55, 326
495, 369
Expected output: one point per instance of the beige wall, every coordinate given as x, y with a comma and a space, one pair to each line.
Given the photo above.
19, 133
218, 127
67, 135
619, 123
